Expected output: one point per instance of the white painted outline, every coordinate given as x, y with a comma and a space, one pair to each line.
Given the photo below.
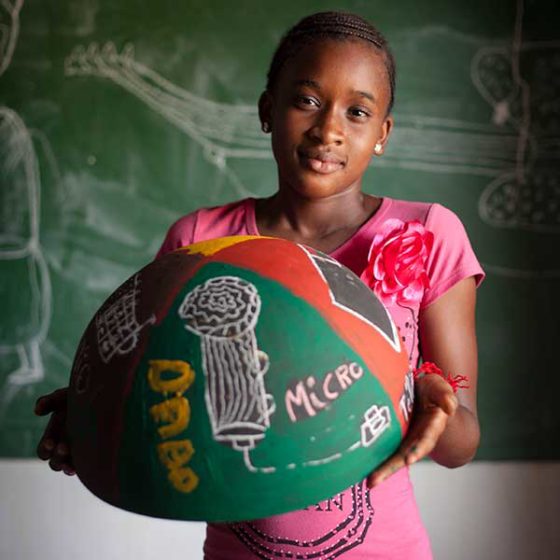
406, 402
395, 342
377, 419
117, 328
223, 312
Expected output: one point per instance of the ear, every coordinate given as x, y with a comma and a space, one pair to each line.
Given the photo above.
386, 129
265, 110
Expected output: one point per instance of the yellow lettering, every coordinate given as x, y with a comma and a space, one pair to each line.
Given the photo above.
175, 455
178, 384
175, 412
183, 479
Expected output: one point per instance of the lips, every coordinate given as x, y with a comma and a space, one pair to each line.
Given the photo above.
321, 161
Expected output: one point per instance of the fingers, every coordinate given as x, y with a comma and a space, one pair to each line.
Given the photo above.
52, 436
418, 443
52, 402
424, 439
433, 390
388, 468
61, 460
53, 446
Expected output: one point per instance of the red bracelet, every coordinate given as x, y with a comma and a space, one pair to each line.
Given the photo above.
456, 381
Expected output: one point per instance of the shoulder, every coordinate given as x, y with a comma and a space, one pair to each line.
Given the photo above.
451, 257
438, 219
206, 223
429, 214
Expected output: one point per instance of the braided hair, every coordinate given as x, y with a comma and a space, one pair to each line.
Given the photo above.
338, 26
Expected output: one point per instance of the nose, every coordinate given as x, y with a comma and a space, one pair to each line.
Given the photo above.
327, 127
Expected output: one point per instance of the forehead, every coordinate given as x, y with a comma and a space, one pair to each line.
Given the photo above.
332, 60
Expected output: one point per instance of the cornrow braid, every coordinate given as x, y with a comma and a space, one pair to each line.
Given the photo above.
340, 26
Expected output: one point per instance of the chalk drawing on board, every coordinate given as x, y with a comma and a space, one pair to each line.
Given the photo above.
430, 144
9, 31
224, 312
224, 131
522, 84
227, 131
24, 277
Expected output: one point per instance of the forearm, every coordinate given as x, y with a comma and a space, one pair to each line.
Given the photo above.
458, 443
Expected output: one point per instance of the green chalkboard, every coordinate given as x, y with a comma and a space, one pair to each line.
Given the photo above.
117, 117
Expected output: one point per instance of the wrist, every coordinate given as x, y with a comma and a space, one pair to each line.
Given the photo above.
430, 369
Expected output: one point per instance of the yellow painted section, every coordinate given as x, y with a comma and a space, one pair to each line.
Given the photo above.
178, 384
175, 413
212, 246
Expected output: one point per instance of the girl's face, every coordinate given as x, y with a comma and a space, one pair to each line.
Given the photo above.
327, 111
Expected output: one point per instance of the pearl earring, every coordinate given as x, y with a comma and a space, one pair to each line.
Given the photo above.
378, 148
265, 127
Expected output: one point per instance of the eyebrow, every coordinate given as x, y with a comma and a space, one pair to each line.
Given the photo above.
313, 84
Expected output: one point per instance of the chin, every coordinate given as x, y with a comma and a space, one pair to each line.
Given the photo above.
313, 186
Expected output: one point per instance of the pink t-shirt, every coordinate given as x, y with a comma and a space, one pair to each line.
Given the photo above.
382, 523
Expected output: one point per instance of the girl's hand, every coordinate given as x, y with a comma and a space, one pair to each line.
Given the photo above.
435, 404
53, 446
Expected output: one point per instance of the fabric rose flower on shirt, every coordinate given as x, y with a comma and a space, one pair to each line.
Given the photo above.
397, 259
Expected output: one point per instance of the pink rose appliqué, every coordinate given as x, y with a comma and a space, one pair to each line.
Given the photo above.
396, 268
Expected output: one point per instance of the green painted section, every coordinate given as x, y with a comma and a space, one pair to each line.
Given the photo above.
299, 343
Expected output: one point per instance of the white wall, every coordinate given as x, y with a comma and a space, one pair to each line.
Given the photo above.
484, 511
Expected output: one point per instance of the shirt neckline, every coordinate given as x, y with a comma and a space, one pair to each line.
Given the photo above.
371, 222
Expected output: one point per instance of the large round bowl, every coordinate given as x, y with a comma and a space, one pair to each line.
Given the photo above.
235, 379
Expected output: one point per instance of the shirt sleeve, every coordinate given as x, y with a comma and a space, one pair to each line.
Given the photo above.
180, 234
452, 258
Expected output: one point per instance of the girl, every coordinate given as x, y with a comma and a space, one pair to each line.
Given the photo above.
327, 106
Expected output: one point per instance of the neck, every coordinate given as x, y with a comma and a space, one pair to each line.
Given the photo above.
290, 214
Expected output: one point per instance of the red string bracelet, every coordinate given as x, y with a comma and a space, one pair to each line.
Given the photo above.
456, 381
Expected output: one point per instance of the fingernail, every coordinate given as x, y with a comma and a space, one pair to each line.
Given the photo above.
62, 449
48, 444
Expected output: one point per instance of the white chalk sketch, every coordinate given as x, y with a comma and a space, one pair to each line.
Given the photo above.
377, 419
522, 84
117, 325
407, 399
227, 131
224, 312
24, 278
509, 150
9, 31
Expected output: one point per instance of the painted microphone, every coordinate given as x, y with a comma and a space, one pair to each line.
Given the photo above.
224, 312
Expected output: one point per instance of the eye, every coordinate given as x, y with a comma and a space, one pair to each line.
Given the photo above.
306, 101
359, 113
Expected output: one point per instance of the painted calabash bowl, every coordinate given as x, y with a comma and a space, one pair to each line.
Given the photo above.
235, 379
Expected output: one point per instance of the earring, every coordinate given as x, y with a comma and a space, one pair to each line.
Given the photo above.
378, 148
265, 127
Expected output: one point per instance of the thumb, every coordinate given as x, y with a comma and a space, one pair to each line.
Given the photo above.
52, 402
